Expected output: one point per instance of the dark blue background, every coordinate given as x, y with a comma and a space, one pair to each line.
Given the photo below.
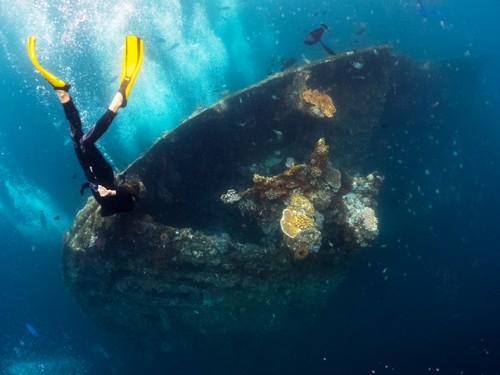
436, 305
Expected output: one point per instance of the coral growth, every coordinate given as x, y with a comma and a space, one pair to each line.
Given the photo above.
307, 201
322, 104
370, 221
292, 222
297, 223
230, 197
301, 204
301, 252
307, 179
307, 241
288, 202
359, 216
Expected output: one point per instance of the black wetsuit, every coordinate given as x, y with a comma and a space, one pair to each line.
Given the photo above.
94, 165
314, 36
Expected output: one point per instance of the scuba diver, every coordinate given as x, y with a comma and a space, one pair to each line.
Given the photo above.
111, 197
315, 36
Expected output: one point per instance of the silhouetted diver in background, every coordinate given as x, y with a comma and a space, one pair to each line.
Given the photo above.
315, 37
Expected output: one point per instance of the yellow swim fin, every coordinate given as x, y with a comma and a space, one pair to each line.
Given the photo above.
57, 83
132, 61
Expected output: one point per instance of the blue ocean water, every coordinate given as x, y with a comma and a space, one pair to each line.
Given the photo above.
425, 299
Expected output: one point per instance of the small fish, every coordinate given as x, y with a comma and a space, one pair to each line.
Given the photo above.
98, 349
43, 220
221, 89
173, 46
361, 29
357, 65
73, 176
226, 7
306, 60
287, 63
160, 40
31, 330
57, 217
242, 124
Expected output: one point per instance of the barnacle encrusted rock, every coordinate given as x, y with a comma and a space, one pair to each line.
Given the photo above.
321, 103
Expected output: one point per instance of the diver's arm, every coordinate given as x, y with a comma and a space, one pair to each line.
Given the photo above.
103, 192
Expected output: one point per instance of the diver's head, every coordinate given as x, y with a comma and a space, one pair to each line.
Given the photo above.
134, 187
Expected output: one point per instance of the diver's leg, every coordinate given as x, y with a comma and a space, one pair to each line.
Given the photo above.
101, 171
63, 96
116, 103
72, 115
104, 122
75, 125
99, 128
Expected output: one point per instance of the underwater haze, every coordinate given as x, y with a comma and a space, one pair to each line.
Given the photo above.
424, 298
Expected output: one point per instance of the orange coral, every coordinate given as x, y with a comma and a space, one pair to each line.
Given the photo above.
320, 101
319, 156
293, 222
301, 252
300, 203
297, 224
296, 178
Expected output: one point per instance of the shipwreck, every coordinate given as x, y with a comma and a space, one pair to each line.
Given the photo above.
250, 207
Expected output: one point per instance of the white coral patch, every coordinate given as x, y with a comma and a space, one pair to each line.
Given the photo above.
370, 221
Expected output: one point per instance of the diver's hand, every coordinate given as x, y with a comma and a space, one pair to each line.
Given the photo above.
103, 192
